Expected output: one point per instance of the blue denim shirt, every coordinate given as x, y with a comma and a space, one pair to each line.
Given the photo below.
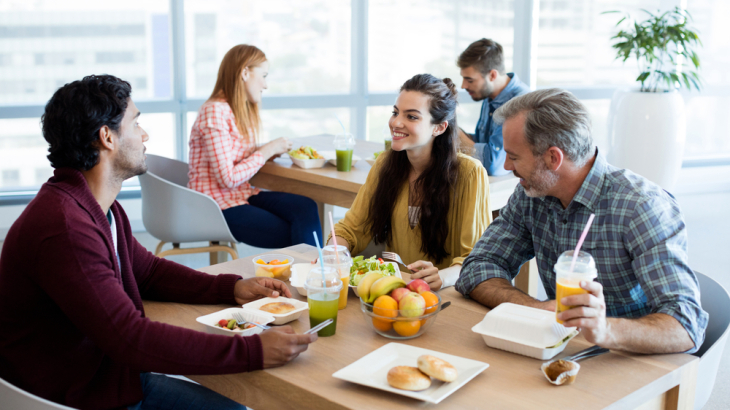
488, 135
638, 240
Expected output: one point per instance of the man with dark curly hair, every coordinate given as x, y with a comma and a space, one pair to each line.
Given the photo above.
72, 278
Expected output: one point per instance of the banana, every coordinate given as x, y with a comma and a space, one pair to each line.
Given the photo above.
384, 286
363, 289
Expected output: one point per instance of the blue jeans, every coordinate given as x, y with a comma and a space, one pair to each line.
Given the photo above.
275, 220
162, 392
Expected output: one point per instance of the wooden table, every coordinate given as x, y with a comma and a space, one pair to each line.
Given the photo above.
614, 380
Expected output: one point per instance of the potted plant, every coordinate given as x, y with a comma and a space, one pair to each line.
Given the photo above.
647, 125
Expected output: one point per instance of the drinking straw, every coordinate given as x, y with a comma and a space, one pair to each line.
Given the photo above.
341, 125
580, 241
334, 238
321, 259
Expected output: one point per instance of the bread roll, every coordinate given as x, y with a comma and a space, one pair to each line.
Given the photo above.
277, 308
408, 378
437, 368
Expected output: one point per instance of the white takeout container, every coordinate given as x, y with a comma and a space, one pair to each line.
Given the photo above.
249, 315
397, 274
279, 319
299, 273
308, 163
524, 330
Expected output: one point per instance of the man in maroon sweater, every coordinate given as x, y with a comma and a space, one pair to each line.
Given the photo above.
72, 278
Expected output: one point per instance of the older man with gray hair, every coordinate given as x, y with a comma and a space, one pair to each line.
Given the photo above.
645, 299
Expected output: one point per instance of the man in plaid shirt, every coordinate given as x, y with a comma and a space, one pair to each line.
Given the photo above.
646, 299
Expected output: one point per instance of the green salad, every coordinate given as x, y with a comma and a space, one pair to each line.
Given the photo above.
361, 266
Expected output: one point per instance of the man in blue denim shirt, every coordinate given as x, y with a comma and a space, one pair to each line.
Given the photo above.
646, 299
482, 67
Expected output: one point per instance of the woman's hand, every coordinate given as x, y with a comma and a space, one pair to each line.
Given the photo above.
426, 271
276, 147
255, 288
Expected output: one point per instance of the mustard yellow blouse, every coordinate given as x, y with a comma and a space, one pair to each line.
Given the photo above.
468, 217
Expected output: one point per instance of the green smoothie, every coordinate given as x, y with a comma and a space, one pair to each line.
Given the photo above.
323, 306
344, 160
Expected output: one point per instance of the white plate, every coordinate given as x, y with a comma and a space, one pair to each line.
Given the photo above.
279, 319
331, 157
397, 273
252, 316
372, 371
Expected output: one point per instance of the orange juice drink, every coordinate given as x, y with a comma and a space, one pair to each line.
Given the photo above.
341, 261
567, 281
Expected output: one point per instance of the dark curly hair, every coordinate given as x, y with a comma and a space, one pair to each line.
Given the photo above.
75, 114
434, 187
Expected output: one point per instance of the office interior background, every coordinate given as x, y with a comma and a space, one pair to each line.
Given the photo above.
339, 63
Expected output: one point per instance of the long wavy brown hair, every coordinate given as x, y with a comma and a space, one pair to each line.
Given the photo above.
434, 187
230, 87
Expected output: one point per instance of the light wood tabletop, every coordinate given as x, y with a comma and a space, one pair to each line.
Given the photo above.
614, 380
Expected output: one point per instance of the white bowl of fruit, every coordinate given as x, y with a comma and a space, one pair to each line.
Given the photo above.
273, 265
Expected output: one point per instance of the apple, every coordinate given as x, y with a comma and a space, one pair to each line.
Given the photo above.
399, 293
418, 286
412, 305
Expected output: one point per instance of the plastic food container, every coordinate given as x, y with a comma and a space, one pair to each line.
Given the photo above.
281, 272
252, 316
397, 273
279, 319
299, 273
524, 330
308, 163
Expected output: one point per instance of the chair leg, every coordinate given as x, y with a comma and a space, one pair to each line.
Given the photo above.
159, 247
213, 249
214, 255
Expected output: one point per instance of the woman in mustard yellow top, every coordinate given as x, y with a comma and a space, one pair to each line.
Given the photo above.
424, 200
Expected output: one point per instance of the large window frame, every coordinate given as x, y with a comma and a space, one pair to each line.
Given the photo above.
526, 26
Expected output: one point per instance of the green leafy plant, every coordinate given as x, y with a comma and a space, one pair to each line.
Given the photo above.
662, 44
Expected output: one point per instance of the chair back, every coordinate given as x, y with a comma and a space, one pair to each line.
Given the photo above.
715, 301
14, 398
173, 213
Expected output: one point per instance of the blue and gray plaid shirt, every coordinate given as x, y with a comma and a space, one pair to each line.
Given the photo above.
638, 241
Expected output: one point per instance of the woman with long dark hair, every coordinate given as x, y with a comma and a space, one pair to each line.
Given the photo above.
224, 156
422, 198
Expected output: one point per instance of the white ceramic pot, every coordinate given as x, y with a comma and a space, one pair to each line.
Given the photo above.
646, 134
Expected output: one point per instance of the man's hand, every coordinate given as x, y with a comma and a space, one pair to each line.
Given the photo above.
247, 290
426, 271
281, 345
588, 313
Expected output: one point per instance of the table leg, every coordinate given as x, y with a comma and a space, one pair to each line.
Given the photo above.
682, 396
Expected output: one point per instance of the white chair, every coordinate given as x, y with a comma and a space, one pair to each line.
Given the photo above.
715, 301
14, 398
173, 213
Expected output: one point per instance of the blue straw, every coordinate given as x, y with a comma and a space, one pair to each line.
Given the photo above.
341, 125
321, 259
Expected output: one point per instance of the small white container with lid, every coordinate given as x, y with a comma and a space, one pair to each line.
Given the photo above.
524, 330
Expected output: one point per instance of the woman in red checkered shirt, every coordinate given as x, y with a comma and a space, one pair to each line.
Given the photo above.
224, 156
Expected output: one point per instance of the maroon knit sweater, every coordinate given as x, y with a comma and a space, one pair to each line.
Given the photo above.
72, 325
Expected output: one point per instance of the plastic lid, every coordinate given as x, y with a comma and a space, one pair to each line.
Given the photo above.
344, 141
332, 282
342, 255
525, 325
584, 266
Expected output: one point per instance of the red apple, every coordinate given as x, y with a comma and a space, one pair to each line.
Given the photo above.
418, 286
399, 293
412, 305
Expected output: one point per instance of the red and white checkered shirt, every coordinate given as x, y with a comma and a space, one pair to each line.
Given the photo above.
221, 160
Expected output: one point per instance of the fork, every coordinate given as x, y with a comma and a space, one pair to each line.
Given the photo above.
239, 319
587, 353
392, 256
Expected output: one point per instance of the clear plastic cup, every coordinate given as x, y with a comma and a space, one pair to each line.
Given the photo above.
341, 261
344, 144
323, 298
567, 282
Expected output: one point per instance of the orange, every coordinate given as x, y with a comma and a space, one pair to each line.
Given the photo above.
274, 262
382, 325
261, 262
432, 301
407, 328
385, 306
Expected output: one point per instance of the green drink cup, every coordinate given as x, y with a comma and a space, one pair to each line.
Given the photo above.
323, 298
344, 143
